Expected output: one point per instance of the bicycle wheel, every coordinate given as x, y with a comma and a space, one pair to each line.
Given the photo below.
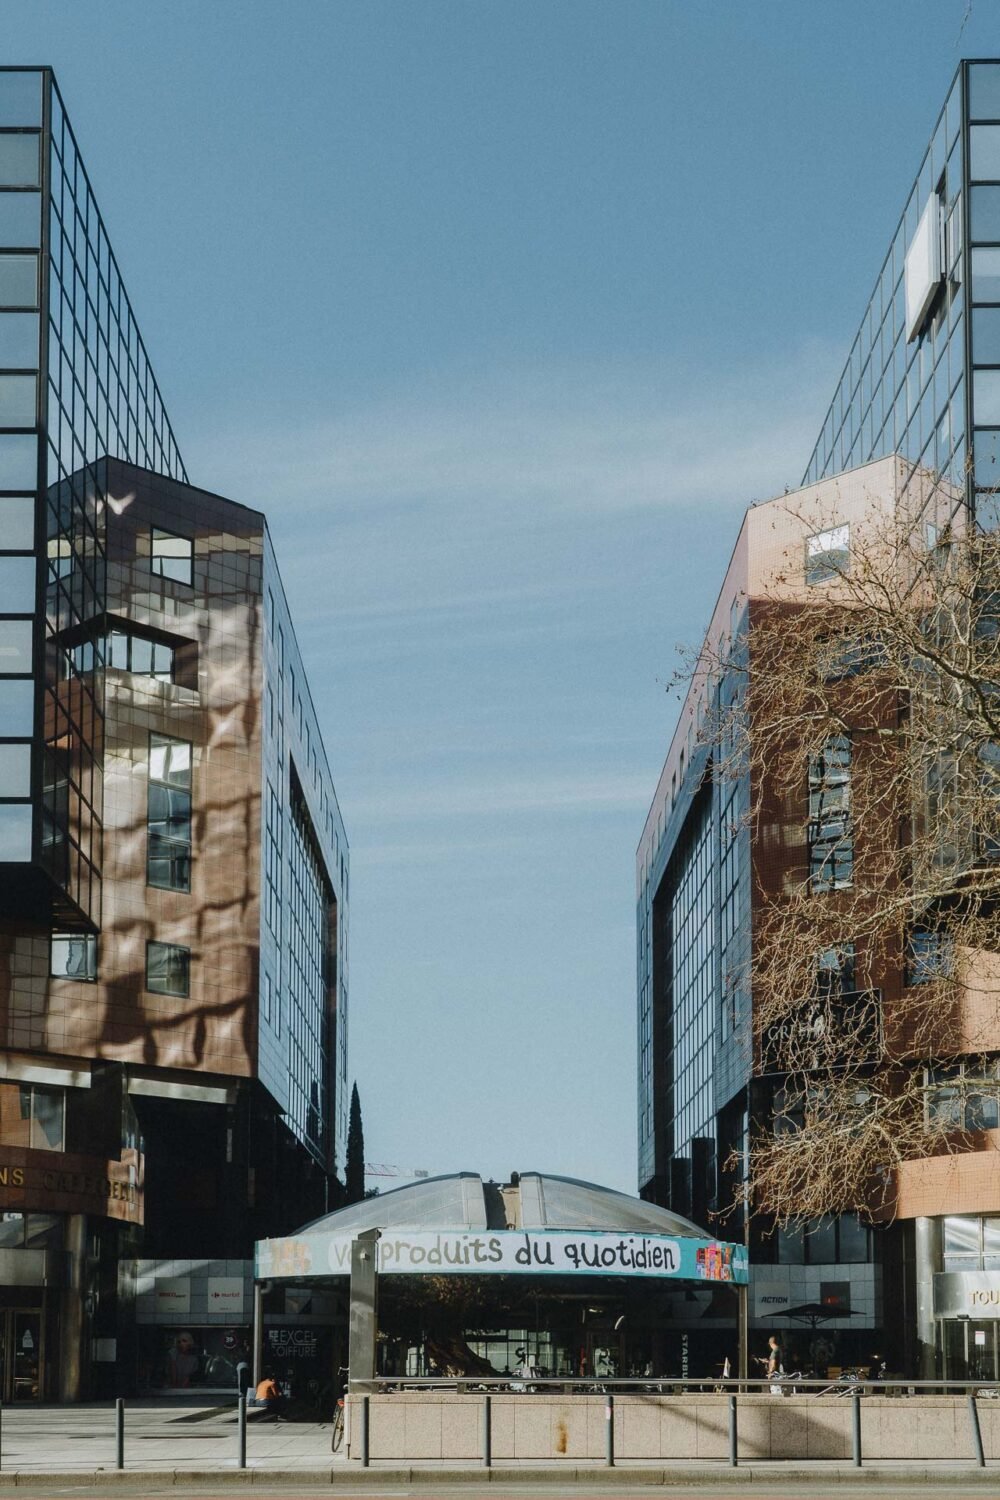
338, 1428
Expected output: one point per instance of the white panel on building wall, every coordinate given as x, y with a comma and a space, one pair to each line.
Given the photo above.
922, 275
225, 1295
173, 1295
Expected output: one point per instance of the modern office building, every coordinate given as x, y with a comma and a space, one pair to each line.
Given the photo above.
914, 423
173, 864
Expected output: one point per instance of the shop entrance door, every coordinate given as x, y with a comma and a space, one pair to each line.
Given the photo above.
970, 1349
20, 1354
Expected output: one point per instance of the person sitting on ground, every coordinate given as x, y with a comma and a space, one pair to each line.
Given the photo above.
267, 1394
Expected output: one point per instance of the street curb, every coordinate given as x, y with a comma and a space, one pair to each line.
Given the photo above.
350, 1476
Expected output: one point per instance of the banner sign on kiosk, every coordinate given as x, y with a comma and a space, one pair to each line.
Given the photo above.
511, 1252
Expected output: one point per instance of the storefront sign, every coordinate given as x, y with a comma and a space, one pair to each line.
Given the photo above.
225, 1295
967, 1294
511, 1252
69, 1183
173, 1295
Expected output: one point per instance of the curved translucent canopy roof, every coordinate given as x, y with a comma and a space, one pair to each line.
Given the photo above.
531, 1200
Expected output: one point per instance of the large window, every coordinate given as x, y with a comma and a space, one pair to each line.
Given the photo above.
168, 969
963, 1095
843, 1238
971, 1243
143, 658
831, 844
168, 850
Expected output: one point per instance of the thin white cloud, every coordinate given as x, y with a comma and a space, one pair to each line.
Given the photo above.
557, 441
487, 797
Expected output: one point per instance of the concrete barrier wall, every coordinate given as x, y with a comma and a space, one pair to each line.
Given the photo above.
416, 1425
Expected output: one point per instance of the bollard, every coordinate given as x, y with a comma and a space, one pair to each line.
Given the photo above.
365, 1414
487, 1432
856, 1427
733, 1434
609, 1431
977, 1436
241, 1432
119, 1433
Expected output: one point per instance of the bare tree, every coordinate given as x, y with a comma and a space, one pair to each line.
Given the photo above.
863, 719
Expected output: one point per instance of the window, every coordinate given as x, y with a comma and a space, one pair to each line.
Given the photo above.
831, 843
168, 817
828, 554
928, 955
971, 1244
172, 556
133, 653
843, 1239
73, 955
33, 1115
168, 969
963, 1095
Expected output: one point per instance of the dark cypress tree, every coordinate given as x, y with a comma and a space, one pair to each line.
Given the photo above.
355, 1169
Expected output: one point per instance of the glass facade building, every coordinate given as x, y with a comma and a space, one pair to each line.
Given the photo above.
173, 863
923, 375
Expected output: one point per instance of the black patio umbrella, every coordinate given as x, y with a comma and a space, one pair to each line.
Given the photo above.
814, 1312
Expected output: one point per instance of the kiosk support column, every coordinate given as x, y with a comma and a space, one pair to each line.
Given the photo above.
364, 1307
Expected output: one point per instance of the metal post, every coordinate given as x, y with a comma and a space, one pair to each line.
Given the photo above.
609, 1431
733, 1434
487, 1431
365, 1415
241, 1432
977, 1436
856, 1427
119, 1433
743, 1331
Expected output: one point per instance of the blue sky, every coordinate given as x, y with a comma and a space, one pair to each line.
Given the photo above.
503, 312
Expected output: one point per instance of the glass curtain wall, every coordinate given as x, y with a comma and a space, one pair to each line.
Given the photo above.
900, 395
75, 385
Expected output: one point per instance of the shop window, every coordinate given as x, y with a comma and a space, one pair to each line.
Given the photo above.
168, 969
73, 955
172, 556
828, 554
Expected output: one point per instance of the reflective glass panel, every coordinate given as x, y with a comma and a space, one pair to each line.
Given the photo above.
18, 461
20, 160
986, 275
21, 98
821, 1239
986, 452
15, 770
986, 397
20, 220
167, 969
15, 832
984, 91
853, 1236
169, 761
17, 585
172, 556
986, 335
48, 1118
17, 706
984, 152
15, 645
986, 214
18, 397
73, 955
961, 1236
18, 341
17, 522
